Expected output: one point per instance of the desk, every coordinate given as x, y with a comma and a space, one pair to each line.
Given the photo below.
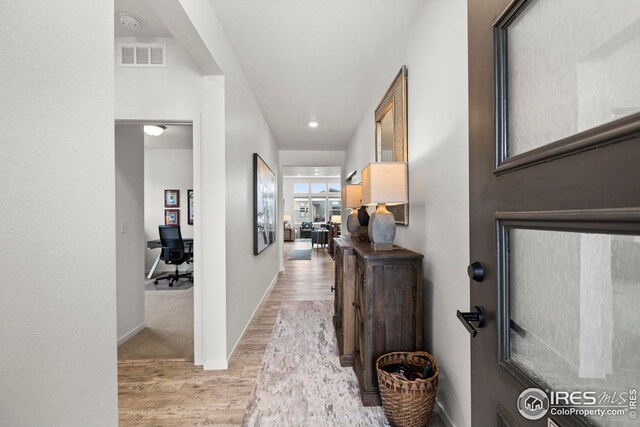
155, 244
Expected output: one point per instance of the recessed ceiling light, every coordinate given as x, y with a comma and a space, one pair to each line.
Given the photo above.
154, 130
316, 172
313, 124
129, 21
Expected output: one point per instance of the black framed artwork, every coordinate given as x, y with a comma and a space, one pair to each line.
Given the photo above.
264, 205
171, 198
171, 217
190, 207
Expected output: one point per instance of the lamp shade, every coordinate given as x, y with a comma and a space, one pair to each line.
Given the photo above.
287, 218
352, 196
384, 182
336, 219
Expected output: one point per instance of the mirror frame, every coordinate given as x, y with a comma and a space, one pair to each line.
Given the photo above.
395, 101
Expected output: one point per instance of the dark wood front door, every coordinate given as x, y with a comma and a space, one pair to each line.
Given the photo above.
554, 155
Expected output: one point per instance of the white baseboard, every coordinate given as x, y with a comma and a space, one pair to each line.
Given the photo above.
215, 365
446, 419
262, 300
126, 337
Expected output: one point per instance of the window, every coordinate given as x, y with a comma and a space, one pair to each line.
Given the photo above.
318, 210
335, 206
316, 201
318, 187
301, 188
301, 210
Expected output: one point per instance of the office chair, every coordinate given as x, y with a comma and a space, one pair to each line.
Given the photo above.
173, 252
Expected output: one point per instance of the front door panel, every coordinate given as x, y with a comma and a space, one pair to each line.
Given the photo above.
554, 151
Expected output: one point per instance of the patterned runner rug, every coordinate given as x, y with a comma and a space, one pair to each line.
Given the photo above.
301, 382
300, 254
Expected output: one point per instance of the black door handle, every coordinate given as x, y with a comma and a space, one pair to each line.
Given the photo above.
474, 316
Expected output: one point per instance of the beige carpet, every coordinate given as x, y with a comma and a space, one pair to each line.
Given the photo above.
169, 331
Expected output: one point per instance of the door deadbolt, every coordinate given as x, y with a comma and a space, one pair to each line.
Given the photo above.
476, 271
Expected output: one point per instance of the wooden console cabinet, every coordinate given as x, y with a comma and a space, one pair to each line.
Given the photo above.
344, 288
334, 232
388, 315
378, 307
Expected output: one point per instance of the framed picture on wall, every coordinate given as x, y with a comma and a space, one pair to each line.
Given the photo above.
264, 205
171, 198
190, 207
171, 217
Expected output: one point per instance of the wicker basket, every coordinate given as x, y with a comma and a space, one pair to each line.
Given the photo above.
407, 403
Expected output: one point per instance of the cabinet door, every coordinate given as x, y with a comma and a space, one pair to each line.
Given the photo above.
358, 303
337, 300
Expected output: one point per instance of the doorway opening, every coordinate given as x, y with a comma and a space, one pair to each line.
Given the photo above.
312, 208
154, 188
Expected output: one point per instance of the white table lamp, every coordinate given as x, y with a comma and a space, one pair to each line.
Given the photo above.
352, 198
384, 183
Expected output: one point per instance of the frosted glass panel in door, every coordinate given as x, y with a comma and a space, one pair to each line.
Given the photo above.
575, 310
572, 65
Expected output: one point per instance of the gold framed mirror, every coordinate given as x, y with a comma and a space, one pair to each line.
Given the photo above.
391, 133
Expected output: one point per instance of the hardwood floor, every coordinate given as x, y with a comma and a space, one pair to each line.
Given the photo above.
177, 393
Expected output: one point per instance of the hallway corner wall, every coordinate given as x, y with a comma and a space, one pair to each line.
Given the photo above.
435, 53
57, 176
248, 276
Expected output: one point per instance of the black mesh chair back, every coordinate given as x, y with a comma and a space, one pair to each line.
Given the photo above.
172, 244
173, 252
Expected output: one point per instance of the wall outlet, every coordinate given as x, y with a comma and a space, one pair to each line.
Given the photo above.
123, 227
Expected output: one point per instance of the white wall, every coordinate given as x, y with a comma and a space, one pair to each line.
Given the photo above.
246, 132
175, 89
165, 169
312, 158
130, 238
57, 174
436, 56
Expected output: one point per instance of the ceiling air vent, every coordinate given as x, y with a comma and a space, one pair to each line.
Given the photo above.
142, 55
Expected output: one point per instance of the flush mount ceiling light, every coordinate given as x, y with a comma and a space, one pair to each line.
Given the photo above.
316, 172
129, 21
154, 130
313, 124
